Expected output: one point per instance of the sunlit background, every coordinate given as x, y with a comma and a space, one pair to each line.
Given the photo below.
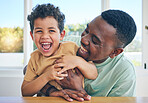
78, 13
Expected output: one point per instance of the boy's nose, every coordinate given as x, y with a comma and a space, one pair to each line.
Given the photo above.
45, 36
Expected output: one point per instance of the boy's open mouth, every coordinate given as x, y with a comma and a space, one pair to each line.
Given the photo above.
46, 46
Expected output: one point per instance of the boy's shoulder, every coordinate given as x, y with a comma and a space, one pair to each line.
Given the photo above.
68, 47
36, 54
68, 43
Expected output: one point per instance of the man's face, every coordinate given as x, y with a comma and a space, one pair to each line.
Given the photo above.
98, 41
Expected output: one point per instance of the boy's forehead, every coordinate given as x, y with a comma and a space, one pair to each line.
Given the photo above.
48, 19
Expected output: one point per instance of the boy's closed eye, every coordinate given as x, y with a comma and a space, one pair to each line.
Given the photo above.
51, 31
39, 31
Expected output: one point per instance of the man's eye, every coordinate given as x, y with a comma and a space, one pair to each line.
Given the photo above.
95, 40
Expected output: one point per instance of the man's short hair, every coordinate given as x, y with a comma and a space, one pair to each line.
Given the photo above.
123, 23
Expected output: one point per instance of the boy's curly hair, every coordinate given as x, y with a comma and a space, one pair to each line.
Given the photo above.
45, 10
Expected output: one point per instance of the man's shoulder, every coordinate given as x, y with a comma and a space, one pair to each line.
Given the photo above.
119, 63
125, 61
124, 65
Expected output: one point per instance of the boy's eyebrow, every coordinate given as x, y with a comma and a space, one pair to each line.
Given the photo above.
51, 28
38, 28
41, 28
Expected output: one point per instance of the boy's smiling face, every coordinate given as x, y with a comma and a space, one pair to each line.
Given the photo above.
46, 35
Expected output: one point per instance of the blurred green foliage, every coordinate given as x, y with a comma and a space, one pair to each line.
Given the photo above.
11, 39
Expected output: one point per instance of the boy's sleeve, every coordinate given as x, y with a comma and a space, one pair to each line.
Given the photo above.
30, 72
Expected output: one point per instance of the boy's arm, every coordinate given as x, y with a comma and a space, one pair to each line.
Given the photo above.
32, 87
88, 69
29, 88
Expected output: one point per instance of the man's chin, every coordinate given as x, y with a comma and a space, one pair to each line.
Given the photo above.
81, 55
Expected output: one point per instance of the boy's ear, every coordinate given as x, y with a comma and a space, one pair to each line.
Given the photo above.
62, 35
116, 52
31, 35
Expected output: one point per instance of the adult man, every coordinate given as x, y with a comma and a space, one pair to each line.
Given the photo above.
102, 42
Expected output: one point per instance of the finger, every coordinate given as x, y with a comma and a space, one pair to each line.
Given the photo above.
70, 73
74, 96
59, 65
63, 70
61, 94
57, 69
78, 72
59, 78
65, 96
62, 75
58, 60
85, 95
80, 94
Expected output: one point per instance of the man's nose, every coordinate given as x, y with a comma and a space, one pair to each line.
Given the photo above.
85, 40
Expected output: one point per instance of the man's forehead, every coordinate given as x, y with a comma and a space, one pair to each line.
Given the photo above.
95, 20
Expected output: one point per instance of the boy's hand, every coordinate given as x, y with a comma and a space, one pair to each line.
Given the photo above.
67, 62
52, 74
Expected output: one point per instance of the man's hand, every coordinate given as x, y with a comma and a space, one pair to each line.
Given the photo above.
69, 95
73, 80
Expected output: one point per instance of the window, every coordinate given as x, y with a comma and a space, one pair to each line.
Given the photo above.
11, 33
77, 12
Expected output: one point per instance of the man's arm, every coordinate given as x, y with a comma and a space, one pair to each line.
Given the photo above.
67, 94
73, 81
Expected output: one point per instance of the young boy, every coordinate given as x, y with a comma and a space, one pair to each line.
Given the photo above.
47, 24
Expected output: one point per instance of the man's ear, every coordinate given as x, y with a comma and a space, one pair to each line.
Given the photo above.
62, 35
116, 52
31, 35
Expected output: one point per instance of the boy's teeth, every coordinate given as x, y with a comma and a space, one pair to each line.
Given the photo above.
45, 43
46, 46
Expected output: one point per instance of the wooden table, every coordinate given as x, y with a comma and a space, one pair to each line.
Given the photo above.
61, 100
